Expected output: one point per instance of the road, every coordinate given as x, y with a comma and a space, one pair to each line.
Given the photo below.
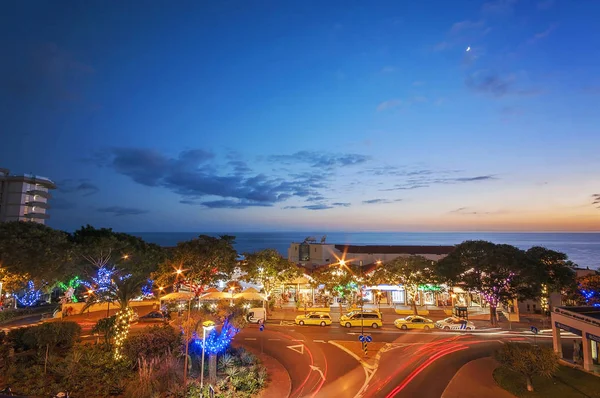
414, 363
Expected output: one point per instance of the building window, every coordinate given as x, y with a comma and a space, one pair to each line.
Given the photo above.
304, 252
528, 308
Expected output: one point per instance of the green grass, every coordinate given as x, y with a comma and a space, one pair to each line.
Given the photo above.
566, 383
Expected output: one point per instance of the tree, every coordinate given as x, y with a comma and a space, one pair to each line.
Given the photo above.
32, 251
97, 248
412, 272
202, 261
499, 272
340, 281
589, 288
528, 360
269, 268
553, 272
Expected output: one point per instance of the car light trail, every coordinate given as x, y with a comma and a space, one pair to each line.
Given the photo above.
423, 366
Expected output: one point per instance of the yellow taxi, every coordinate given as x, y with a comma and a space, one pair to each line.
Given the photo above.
414, 322
313, 318
370, 319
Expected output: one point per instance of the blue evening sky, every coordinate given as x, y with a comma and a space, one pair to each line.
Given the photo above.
293, 115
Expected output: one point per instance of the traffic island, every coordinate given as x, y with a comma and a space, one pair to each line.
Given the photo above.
279, 382
355, 349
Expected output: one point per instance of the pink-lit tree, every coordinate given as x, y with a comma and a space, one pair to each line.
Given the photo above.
500, 273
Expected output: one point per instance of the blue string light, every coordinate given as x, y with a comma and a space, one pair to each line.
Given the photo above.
31, 296
216, 343
147, 288
103, 280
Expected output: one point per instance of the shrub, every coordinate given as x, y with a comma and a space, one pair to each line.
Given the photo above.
529, 360
52, 334
106, 327
153, 342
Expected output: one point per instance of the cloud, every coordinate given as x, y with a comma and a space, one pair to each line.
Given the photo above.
232, 204
320, 159
390, 104
395, 103
82, 186
380, 201
596, 199
498, 7
119, 211
541, 35
496, 85
490, 83
388, 69
428, 178
462, 26
319, 206
468, 211
545, 4
315, 198
195, 175
57, 203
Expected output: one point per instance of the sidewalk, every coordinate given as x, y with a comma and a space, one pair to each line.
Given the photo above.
475, 380
280, 384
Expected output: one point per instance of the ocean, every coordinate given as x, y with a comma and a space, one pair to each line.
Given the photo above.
582, 248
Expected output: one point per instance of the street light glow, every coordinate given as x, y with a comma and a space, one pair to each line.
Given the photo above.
342, 262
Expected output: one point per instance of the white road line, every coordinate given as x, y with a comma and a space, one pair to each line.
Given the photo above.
249, 338
319, 341
274, 339
297, 339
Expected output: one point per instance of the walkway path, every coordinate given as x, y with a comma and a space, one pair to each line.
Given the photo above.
475, 380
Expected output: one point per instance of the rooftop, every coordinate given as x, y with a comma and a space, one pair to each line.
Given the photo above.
591, 312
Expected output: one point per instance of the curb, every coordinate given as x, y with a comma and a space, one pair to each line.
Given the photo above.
265, 392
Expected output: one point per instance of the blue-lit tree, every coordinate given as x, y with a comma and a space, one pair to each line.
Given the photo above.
31, 296
589, 288
216, 343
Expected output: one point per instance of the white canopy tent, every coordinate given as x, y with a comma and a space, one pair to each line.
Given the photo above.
250, 294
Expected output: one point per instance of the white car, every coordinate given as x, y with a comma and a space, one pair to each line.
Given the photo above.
454, 323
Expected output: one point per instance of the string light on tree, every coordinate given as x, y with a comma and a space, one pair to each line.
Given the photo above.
31, 296
70, 287
216, 343
122, 330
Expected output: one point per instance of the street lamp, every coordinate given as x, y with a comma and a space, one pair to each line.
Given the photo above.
206, 326
231, 289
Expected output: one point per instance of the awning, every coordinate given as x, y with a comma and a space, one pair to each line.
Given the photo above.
176, 296
389, 288
215, 295
250, 294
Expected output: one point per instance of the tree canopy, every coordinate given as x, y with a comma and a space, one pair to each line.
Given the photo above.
32, 251
269, 268
95, 248
411, 272
499, 272
202, 261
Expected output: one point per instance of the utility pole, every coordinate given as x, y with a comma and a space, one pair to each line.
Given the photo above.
362, 303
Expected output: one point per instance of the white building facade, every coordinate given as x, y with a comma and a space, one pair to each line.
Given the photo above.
24, 197
584, 322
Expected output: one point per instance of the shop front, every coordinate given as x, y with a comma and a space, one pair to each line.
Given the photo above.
585, 323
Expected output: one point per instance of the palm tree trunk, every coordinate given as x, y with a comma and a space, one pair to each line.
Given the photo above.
212, 369
529, 383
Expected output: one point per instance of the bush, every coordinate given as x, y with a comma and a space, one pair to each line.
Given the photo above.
153, 342
14, 337
85, 371
106, 327
529, 360
53, 334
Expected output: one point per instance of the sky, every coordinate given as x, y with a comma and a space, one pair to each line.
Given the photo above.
338, 115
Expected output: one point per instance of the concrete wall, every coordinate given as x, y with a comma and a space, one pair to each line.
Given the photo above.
77, 307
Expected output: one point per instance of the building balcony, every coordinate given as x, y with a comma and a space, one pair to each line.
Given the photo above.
37, 216
43, 194
41, 205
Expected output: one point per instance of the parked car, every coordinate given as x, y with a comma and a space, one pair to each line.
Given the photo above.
155, 316
366, 318
314, 318
454, 323
414, 322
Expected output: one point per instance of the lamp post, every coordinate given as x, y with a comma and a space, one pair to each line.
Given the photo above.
187, 344
206, 326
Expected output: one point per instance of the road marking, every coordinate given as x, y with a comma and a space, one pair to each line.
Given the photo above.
319, 341
298, 348
318, 370
287, 323
249, 338
297, 339
274, 339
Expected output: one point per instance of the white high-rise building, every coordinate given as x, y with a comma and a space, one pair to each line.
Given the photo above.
24, 197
